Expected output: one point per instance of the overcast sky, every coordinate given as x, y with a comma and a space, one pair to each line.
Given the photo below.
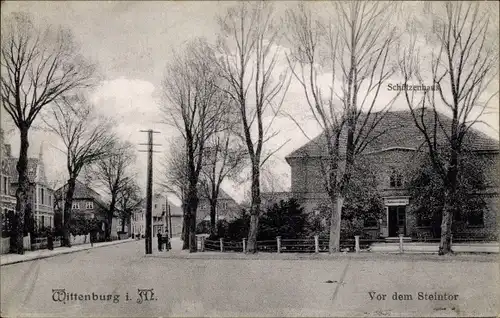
132, 43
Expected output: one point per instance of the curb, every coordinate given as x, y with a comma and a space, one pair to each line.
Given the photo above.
63, 253
461, 257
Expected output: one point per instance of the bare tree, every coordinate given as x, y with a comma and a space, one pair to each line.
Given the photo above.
354, 52
249, 52
87, 138
223, 159
37, 66
113, 173
129, 200
463, 62
193, 105
175, 179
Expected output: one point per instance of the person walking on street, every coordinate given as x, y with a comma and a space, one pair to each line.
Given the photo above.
160, 243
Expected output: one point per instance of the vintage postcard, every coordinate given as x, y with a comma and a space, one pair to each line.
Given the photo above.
249, 159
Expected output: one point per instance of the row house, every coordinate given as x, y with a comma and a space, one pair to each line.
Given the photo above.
394, 157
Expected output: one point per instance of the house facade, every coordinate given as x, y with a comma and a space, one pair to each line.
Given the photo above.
227, 208
87, 203
40, 193
393, 158
165, 214
7, 197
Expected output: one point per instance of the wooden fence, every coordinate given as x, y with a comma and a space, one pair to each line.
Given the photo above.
317, 245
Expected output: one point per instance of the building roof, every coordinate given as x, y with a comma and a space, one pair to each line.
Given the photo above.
32, 169
175, 210
397, 130
84, 192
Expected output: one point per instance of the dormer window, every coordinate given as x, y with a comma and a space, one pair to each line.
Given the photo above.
76, 206
395, 179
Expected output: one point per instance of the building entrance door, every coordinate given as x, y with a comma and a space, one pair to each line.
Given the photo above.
397, 220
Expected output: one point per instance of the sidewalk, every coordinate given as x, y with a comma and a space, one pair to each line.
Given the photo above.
7, 259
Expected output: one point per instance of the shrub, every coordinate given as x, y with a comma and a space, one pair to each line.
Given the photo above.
286, 219
203, 227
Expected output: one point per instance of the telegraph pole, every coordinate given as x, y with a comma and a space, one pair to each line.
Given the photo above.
149, 191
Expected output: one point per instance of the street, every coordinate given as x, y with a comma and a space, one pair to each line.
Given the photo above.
98, 282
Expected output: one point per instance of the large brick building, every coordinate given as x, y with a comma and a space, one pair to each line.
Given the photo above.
393, 157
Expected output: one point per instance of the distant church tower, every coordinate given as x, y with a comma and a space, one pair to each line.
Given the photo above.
41, 166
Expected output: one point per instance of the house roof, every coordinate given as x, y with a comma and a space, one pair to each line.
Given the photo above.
223, 195
32, 169
397, 130
83, 191
175, 210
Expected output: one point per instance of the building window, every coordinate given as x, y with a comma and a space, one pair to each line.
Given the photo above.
89, 205
370, 222
395, 180
423, 220
76, 206
155, 205
475, 218
223, 205
42, 222
42, 195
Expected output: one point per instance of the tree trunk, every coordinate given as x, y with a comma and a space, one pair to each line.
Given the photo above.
449, 195
109, 218
68, 205
335, 221
254, 211
185, 226
446, 223
213, 225
21, 194
192, 206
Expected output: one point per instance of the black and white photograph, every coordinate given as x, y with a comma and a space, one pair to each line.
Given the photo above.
249, 159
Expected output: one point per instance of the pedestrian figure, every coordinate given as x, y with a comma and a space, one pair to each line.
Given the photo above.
91, 237
50, 240
167, 242
159, 241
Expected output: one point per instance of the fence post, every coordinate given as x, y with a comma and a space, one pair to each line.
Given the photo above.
316, 244
401, 243
356, 245
203, 244
244, 245
278, 242
221, 244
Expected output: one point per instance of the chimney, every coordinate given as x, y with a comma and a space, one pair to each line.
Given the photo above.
7, 151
